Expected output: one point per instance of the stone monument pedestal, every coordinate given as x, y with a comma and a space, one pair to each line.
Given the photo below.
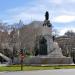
40, 60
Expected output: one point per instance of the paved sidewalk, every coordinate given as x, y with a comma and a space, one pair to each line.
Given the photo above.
42, 72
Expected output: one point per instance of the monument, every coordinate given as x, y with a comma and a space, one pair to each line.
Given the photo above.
47, 50
46, 45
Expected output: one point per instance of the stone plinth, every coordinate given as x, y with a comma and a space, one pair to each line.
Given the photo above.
47, 60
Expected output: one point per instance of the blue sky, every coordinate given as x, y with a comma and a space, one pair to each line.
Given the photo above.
62, 12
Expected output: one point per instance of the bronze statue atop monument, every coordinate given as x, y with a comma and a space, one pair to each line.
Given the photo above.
46, 15
47, 22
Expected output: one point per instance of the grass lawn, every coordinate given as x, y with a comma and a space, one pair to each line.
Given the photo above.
29, 68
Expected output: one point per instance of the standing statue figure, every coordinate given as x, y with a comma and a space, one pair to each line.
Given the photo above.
47, 22
46, 15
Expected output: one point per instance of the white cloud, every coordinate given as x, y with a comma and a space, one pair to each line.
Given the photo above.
56, 1
27, 17
27, 14
63, 30
64, 19
70, 1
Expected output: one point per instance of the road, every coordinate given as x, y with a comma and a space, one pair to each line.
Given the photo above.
42, 72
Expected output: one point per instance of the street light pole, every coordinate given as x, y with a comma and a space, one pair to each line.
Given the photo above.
22, 58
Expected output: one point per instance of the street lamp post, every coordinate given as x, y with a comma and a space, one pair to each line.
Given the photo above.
22, 58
